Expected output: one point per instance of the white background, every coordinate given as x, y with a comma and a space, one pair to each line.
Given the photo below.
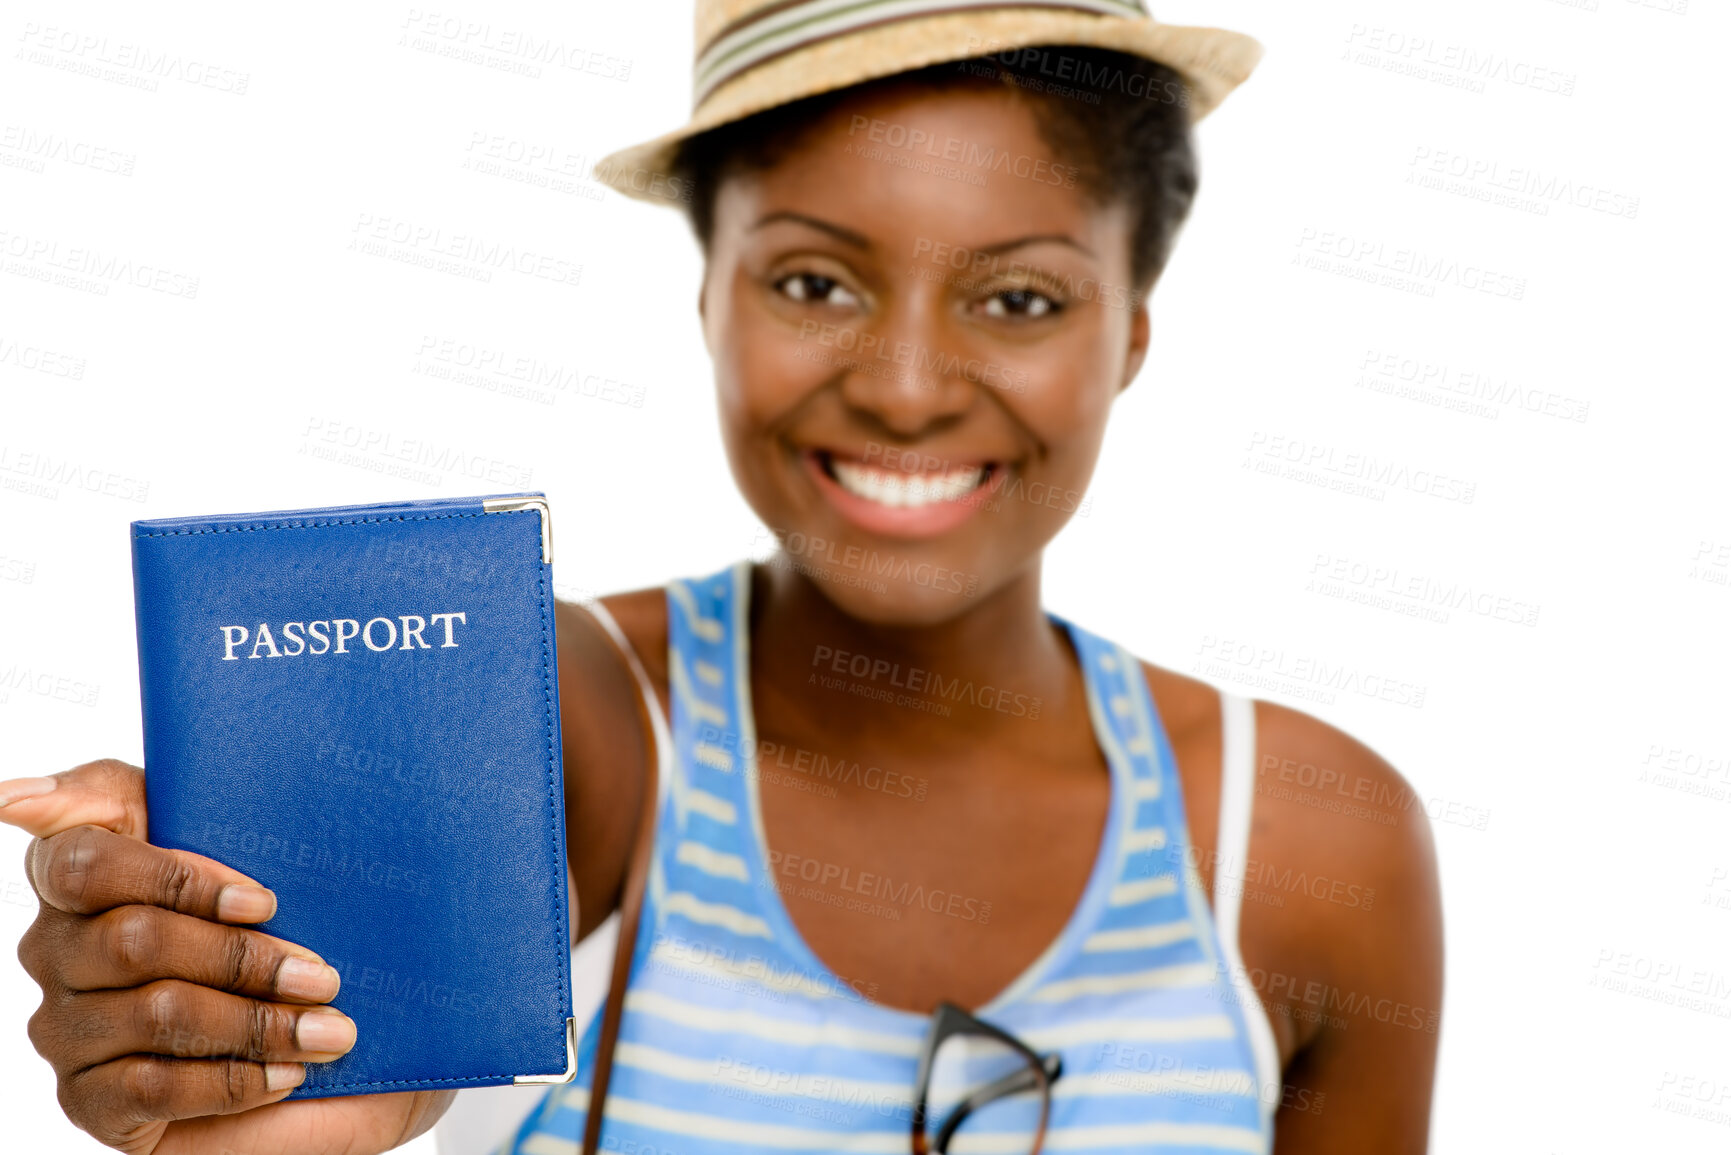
1593, 898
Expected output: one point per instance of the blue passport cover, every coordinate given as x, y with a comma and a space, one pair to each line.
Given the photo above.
358, 706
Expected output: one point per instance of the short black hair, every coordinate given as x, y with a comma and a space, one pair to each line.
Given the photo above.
1123, 121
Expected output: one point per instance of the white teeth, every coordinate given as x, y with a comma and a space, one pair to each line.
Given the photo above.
902, 490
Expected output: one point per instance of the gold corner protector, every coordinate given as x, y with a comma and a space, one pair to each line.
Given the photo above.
570, 1058
513, 504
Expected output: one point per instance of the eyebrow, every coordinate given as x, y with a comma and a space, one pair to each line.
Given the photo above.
859, 241
848, 235
1035, 239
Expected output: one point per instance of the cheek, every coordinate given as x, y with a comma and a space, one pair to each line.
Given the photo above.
764, 365
764, 372
1066, 396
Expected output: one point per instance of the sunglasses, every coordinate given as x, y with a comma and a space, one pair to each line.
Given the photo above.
1034, 1073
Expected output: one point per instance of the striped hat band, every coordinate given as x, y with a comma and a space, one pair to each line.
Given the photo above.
778, 27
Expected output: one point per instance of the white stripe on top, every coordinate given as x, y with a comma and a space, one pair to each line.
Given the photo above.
1232, 853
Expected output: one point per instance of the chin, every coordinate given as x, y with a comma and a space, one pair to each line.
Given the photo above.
890, 601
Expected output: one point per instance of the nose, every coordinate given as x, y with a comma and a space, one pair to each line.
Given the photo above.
917, 374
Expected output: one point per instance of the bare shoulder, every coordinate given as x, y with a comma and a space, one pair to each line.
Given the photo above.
642, 617
587, 652
1323, 800
1340, 904
1326, 794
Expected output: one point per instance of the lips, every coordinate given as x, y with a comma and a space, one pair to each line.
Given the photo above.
897, 503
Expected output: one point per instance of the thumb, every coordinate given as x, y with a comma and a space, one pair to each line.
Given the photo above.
107, 793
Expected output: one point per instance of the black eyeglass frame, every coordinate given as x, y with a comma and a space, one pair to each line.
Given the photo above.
949, 1021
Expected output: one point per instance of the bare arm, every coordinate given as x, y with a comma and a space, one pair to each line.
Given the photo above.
1362, 980
606, 750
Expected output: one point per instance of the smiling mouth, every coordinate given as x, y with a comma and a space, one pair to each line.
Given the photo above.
897, 489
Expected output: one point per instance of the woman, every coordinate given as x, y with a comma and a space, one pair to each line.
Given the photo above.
894, 797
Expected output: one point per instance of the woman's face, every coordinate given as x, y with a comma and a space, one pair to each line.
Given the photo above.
919, 321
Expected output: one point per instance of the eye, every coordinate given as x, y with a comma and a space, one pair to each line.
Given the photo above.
1020, 303
815, 288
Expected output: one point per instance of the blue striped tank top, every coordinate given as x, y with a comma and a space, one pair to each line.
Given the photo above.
736, 1038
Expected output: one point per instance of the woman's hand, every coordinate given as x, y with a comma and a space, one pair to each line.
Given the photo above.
172, 1028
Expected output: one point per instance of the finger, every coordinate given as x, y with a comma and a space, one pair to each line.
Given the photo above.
90, 869
108, 793
179, 1019
134, 945
138, 1089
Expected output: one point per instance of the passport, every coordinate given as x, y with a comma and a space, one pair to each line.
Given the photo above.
358, 707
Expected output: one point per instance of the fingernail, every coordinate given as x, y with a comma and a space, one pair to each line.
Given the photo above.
19, 789
281, 1076
301, 978
324, 1030
243, 902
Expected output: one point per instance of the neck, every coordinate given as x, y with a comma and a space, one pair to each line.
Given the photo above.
809, 650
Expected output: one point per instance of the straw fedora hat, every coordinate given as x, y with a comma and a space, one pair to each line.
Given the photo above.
756, 54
